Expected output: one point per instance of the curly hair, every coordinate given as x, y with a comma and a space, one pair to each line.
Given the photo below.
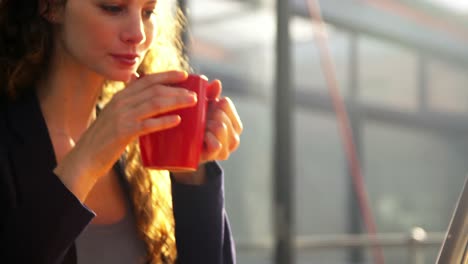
26, 41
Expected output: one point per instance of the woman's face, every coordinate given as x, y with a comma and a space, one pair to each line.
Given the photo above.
109, 37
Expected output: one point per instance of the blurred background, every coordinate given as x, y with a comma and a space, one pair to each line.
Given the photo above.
401, 68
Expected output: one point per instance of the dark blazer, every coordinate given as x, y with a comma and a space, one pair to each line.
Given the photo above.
42, 218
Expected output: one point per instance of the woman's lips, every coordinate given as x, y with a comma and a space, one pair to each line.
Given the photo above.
126, 59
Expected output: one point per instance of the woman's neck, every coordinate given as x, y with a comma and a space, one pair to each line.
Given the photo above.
68, 97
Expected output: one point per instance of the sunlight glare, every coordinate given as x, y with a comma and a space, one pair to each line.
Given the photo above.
459, 6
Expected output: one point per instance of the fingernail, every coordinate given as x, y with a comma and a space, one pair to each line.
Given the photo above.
193, 97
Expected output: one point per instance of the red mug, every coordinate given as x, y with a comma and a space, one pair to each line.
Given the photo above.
178, 149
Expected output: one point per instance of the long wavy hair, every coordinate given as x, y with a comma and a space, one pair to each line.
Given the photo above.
26, 43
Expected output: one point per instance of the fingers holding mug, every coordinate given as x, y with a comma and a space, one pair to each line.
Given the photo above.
214, 145
223, 130
227, 106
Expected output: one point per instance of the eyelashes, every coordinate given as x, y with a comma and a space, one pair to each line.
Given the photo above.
112, 9
118, 10
149, 13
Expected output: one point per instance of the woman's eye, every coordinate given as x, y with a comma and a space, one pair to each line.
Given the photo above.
148, 13
112, 9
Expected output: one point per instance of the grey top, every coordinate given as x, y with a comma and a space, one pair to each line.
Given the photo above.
114, 243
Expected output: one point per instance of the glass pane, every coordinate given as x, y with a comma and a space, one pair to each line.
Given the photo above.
388, 74
322, 256
254, 257
406, 166
320, 175
308, 74
320, 172
447, 90
411, 175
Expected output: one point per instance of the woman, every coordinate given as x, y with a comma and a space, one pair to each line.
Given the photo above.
72, 186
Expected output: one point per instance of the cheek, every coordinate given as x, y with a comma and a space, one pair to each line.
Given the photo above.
99, 32
150, 34
90, 34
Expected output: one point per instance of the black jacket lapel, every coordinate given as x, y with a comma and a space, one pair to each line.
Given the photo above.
29, 139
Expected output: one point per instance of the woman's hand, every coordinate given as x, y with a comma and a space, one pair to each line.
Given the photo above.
128, 115
223, 127
222, 134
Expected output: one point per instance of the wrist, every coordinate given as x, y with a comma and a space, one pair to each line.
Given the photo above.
73, 174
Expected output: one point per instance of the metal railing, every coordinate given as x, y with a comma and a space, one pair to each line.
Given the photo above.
415, 241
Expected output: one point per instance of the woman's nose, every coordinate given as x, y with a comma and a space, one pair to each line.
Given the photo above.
134, 31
